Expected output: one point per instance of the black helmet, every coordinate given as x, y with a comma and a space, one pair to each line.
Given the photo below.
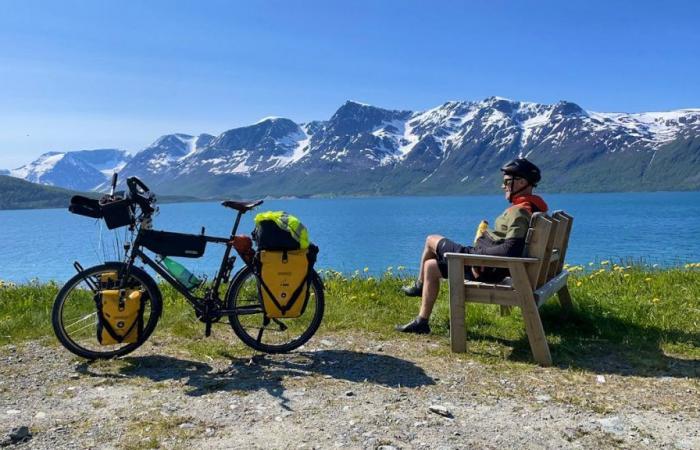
523, 168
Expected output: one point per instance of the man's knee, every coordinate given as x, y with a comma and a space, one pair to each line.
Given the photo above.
432, 241
431, 269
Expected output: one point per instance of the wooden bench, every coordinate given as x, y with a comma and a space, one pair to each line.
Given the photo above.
533, 279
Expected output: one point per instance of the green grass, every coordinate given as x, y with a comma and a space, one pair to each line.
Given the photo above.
630, 319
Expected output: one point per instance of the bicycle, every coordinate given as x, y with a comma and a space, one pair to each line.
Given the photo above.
75, 310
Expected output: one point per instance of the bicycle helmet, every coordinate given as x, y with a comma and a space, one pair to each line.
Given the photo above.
522, 168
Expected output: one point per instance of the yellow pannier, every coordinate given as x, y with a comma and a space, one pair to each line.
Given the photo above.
119, 313
284, 279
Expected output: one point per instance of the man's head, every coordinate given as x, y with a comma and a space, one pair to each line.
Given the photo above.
519, 177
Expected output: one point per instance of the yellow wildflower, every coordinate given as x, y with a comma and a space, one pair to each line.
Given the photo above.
605, 263
655, 300
578, 283
366, 269
647, 279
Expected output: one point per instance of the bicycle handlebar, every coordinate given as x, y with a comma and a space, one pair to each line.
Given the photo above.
141, 198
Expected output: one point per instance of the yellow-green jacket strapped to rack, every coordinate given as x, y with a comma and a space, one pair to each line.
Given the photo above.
277, 230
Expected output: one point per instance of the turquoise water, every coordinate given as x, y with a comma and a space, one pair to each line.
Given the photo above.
353, 233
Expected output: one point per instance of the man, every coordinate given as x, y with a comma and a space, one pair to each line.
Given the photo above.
507, 238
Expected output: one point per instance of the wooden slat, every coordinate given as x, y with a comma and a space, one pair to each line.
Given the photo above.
561, 215
492, 297
551, 287
458, 328
487, 260
539, 236
542, 277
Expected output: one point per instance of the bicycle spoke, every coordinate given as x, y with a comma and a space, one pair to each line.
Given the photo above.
80, 320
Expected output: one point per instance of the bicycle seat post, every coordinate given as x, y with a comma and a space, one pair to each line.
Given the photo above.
235, 225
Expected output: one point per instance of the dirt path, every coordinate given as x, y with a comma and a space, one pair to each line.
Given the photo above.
340, 391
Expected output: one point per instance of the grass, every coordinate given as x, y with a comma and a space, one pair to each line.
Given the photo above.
627, 319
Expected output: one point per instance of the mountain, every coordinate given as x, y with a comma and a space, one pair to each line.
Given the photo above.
80, 170
454, 148
21, 194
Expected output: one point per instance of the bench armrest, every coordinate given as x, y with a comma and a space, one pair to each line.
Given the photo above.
487, 260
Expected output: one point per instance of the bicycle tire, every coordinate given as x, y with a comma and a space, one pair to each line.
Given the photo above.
236, 298
69, 338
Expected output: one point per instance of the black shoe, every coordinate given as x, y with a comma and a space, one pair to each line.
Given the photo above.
417, 325
415, 290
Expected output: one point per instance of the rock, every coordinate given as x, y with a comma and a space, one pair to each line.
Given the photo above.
612, 425
386, 447
349, 393
440, 410
600, 379
543, 398
16, 436
40, 415
327, 343
186, 426
12, 412
74, 376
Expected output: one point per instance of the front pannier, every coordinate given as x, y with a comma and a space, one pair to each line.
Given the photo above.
119, 312
166, 243
285, 278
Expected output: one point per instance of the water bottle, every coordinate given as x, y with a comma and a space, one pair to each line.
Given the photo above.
181, 274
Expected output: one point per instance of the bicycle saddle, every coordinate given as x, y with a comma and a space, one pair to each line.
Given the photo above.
241, 206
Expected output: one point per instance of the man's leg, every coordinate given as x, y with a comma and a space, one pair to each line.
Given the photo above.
429, 254
431, 287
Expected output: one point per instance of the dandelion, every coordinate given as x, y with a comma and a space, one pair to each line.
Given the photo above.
655, 300
370, 278
626, 275
578, 283
647, 279
365, 270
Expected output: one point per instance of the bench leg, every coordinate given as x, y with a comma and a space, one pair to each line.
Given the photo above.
458, 331
531, 316
565, 299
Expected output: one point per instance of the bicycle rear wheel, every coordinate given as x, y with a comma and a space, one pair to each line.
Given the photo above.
74, 315
256, 330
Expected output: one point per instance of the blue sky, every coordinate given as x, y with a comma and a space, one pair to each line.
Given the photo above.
96, 74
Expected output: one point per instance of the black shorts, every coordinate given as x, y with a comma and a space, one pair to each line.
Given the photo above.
445, 245
487, 275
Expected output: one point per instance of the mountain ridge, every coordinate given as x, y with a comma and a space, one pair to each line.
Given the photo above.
454, 148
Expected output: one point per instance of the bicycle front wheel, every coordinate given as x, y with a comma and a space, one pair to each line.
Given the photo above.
74, 315
262, 333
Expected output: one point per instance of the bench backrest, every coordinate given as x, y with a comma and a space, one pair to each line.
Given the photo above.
547, 240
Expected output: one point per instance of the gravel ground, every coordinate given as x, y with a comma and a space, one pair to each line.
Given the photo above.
339, 391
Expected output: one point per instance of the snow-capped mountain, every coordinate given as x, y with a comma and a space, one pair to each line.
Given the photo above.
456, 147
79, 170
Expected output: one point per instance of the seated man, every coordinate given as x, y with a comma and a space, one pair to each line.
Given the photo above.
507, 238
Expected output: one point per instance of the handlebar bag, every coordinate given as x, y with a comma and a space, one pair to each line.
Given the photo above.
85, 206
284, 278
119, 316
118, 213
166, 243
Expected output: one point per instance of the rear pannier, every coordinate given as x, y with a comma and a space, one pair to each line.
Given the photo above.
166, 243
285, 278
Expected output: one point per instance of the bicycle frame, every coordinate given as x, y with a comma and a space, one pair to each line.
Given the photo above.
209, 307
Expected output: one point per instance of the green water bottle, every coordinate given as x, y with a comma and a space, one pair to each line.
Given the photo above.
181, 274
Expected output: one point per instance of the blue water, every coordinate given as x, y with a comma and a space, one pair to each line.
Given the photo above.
353, 233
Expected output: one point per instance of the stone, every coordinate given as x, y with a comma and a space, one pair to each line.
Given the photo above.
600, 379
440, 410
40, 415
543, 398
16, 436
349, 393
186, 426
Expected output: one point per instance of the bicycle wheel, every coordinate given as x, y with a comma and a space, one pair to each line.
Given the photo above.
74, 315
271, 335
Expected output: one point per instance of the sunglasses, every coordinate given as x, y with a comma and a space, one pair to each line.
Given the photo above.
509, 182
